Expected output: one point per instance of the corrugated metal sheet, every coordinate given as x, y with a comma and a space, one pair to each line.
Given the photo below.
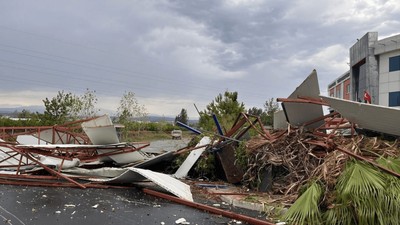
101, 131
132, 175
368, 116
299, 113
191, 159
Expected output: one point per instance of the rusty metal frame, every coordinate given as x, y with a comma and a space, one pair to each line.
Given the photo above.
26, 155
303, 99
240, 121
71, 129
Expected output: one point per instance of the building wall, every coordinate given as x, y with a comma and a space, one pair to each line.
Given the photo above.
332, 91
338, 88
346, 89
388, 81
369, 70
364, 68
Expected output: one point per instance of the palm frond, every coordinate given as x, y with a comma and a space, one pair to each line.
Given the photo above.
305, 209
371, 194
360, 180
340, 214
391, 203
390, 163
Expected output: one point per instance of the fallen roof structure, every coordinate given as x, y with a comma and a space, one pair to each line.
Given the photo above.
131, 175
67, 149
368, 116
297, 109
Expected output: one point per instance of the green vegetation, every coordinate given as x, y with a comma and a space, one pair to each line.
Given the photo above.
226, 107
182, 117
305, 210
363, 195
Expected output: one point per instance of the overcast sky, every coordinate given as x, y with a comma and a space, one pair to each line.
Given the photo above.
174, 54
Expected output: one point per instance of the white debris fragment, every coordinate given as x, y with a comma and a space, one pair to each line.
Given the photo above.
162, 223
69, 205
95, 206
216, 205
281, 223
58, 212
73, 213
181, 221
156, 206
44, 196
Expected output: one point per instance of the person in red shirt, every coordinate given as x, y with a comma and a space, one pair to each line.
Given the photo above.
367, 97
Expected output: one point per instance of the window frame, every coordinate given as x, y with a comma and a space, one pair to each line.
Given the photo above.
394, 99
394, 63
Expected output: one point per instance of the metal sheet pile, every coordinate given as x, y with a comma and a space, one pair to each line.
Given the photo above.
82, 154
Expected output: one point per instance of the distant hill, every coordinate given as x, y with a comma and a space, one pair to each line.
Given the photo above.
152, 118
33, 109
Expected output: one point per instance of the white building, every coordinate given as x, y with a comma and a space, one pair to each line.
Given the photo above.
374, 67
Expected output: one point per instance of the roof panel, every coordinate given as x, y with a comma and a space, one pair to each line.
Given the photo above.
368, 116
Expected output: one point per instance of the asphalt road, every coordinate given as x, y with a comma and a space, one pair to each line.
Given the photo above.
22, 205
42, 206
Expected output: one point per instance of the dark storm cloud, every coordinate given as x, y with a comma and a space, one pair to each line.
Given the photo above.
176, 53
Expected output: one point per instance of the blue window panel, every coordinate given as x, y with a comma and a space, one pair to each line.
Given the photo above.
394, 98
394, 63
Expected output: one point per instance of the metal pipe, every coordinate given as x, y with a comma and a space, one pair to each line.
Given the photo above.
217, 124
187, 127
207, 208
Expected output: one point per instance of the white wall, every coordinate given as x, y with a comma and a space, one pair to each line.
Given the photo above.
388, 82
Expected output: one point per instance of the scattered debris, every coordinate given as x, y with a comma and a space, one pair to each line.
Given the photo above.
181, 221
308, 146
194, 155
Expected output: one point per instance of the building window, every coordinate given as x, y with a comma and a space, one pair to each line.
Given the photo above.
338, 92
394, 98
394, 63
348, 88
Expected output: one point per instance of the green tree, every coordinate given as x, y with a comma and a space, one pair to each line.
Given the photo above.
129, 108
226, 107
88, 102
182, 117
25, 114
271, 106
60, 109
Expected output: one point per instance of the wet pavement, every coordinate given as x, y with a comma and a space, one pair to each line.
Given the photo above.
42, 205
50, 205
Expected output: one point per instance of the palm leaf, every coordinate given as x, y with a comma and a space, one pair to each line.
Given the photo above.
341, 214
390, 163
391, 203
366, 189
305, 209
360, 180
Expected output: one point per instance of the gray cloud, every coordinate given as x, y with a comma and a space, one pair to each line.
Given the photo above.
176, 53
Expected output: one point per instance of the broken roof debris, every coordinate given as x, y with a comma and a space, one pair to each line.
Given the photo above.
308, 145
64, 152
